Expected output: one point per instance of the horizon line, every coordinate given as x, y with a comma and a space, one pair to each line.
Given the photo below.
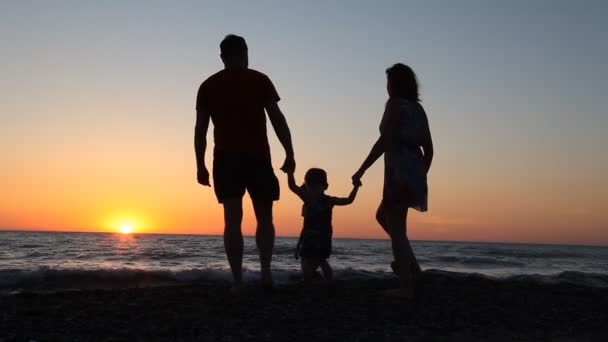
289, 236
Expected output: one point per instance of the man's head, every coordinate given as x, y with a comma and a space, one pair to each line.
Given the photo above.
233, 50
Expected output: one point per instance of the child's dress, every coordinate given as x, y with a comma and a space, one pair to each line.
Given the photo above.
315, 239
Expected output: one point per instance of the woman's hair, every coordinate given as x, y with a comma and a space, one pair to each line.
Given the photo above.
315, 176
403, 81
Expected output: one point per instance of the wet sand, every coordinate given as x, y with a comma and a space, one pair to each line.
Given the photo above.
447, 308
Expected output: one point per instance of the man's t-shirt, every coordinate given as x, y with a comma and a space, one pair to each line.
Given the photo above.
235, 99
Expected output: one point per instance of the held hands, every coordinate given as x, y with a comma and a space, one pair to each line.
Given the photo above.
357, 178
289, 166
203, 176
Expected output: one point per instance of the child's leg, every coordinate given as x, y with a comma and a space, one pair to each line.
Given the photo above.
328, 273
309, 266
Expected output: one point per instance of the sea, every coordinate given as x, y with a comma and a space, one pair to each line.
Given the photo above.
67, 260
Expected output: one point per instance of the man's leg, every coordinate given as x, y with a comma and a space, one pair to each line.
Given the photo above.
233, 237
264, 237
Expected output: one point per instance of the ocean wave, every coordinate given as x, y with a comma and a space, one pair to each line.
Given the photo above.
533, 254
284, 250
567, 277
48, 278
477, 261
155, 255
30, 246
36, 254
53, 279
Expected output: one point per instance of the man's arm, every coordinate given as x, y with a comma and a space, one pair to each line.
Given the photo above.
348, 200
279, 124
200, 145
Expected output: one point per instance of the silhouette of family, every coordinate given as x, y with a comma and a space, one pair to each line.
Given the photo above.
237, 100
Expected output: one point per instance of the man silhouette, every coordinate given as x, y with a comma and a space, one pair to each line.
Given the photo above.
235, 99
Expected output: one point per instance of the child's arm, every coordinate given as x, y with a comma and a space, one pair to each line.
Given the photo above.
291, 181
299, 245
348, 200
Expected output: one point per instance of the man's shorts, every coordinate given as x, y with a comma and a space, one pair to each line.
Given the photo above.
233, 173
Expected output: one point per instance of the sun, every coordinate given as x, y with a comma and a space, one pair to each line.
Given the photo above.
125, 224
126, 229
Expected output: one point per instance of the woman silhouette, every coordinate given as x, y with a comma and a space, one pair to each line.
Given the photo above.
405, 140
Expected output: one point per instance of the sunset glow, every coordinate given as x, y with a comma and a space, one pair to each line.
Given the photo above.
126, 229
98, 112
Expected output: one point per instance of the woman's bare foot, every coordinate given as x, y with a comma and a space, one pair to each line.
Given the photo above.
417, 271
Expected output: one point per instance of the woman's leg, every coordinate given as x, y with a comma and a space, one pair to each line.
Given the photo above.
381, 217
396, 216
416, 269
382, 220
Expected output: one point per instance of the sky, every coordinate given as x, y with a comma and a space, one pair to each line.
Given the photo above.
97, 112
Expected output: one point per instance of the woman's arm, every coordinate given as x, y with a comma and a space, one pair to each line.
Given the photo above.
427, 145
388, 132
375, 153
348, 200
428, 155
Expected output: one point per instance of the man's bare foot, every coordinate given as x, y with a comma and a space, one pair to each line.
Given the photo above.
267, 279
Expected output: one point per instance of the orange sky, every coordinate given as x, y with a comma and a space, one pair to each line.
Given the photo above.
99, 187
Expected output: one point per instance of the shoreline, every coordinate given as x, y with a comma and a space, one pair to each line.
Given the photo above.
62, 280
468, 308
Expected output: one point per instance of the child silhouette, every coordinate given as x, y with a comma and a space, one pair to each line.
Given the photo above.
314, 245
